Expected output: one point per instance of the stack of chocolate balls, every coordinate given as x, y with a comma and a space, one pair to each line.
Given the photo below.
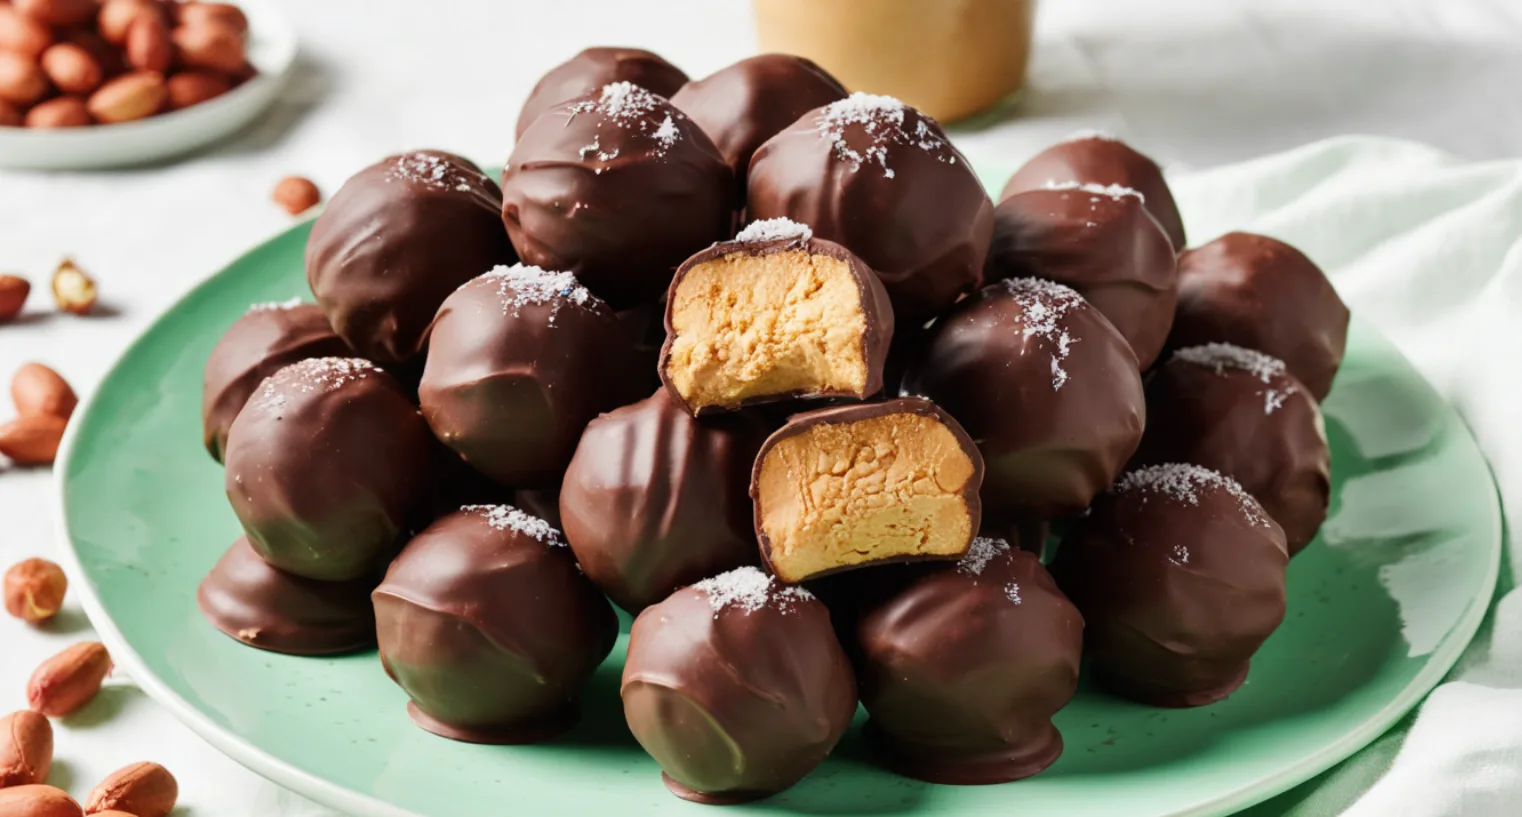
761, 363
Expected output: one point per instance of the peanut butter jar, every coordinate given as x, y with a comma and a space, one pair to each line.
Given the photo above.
949, 58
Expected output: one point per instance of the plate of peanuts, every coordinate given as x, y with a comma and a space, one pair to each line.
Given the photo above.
86, 84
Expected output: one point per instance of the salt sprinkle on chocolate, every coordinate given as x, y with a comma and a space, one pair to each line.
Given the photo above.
429, 170
273, 306
1114, 191
629, 106
1223, 356
522, 285
750, 590
882, 119
507, 517
1045, 303
982, 551
1183, 483
774, 229
318, 374
1089, 133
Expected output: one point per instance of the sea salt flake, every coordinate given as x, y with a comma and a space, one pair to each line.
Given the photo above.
429, 170
1012, 592
507, 517
1045, 304
522, 285
318, 374
1223, 356
881, 118
1114, 191
629, 106
273, 306
750, 590
774, 229
983, 550
1089, 133
1183, 483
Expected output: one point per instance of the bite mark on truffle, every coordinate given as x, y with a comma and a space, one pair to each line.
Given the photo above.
882, 488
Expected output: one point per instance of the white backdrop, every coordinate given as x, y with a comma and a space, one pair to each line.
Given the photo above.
1197, 83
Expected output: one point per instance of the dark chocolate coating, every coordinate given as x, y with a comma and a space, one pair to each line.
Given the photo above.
1103, 244
593, 68
487, 624
515, 372
962, 669
876, 312
655, 500
1055, 421
328, 468
888, 186
1180, 579
856, 412
743, 105
1103, 160
265, 608
1260, 427
736, 703
1260, 293
541, 502
618, 187
266, 339
396, 239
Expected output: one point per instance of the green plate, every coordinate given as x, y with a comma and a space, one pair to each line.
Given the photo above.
1380, 607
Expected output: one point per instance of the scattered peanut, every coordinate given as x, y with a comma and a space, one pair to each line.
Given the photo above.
13, 292
34, 590
32, 440
296, 194
37, 389
26, 748
68, 680
142, 790
73, 290
38, 801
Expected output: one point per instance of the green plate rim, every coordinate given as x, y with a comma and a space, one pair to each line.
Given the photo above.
336, 796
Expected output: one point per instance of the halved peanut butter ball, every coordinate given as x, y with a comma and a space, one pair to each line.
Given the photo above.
774, 315
864, 484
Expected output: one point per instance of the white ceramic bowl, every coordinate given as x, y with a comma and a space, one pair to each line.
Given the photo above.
271, 49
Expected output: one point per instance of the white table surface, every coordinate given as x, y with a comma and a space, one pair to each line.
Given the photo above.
1196, 83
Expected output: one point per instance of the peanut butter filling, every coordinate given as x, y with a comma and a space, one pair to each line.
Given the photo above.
749, 326
876, 489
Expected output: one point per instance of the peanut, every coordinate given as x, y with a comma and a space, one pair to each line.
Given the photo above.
68, 680
32, 440
73, 290
57, 12
38, 801
13, 292
21, 79
226, 14
130, 96
117, 15
296, 194
73, 69
26, 748
194, 87
34, 591
209, 45
36, 389
148, 46
59, 112
22, 34
142, 790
